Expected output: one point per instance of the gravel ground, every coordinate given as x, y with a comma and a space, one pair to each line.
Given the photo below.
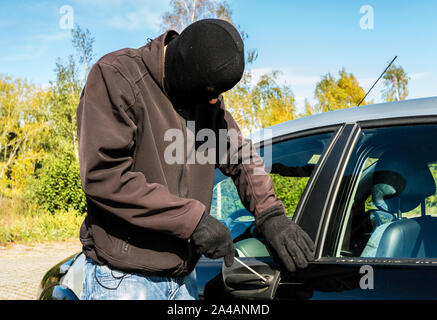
23, 266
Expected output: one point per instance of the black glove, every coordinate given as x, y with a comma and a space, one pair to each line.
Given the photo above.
289, 242
213, 239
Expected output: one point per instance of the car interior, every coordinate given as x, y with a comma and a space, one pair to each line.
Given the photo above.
393, 210
291, 166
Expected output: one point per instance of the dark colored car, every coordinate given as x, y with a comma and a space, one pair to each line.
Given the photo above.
360, 181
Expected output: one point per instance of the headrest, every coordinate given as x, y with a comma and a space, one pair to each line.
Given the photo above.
402, 180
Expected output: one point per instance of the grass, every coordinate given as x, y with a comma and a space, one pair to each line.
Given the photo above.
22, 222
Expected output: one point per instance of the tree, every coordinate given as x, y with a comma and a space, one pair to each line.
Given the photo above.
261, 105
334, 94
64, 98
65, 91
239, 104
24, 133
83, 43
274, 103
396, 84
309, 109
56, 185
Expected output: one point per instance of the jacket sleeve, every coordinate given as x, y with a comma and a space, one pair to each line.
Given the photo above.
106, 145
256, 190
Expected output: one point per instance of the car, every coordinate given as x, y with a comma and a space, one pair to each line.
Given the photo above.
360, 181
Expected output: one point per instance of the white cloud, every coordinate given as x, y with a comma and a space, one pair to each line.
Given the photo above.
287, 76
26, 53
419, 75
136, 20
61, 35
129, 14
368, 82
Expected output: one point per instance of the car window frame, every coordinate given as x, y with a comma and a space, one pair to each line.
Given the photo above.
325, 227
315, 208
334, 129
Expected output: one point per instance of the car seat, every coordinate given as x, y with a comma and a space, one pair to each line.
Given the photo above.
401, 183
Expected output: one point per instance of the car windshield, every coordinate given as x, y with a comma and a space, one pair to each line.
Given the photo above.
290, 168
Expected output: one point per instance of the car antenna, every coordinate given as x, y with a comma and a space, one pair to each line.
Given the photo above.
377, 80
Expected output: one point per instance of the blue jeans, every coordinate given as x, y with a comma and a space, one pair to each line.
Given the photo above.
102, 283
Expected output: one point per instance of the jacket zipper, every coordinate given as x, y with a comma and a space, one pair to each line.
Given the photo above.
190, 254
182, 166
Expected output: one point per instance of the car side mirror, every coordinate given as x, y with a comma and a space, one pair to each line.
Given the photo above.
241, 283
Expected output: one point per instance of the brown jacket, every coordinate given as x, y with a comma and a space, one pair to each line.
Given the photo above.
141, 210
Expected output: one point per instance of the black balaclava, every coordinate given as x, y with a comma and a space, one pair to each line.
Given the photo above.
206, 59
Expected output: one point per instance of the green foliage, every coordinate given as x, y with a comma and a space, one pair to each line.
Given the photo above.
39, 227
341, 93
83, 43
58, 186
40, 188
239, 104
274, 103
64, 96
24, 133
432, 200
64, 93
289, 190
261, 105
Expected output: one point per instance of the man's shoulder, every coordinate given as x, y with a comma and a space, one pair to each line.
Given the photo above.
127, 61
116, 57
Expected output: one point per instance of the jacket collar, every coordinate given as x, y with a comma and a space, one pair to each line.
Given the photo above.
153, 56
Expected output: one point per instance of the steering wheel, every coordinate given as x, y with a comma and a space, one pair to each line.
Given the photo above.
237, 228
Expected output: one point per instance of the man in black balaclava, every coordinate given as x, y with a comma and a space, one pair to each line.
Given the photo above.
148, 220
206, 60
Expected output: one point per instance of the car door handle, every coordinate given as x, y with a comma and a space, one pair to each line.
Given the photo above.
242, 283
239, 279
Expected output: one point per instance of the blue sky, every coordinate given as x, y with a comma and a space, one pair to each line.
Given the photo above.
303, 39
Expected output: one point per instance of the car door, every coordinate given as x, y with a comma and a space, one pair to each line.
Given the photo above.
377, 236
371, 208
293, 166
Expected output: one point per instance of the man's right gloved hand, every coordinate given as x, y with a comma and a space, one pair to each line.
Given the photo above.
289, 242
213, 239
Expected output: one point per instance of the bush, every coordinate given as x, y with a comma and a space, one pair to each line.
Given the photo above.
58, 186
38, 226
289, 190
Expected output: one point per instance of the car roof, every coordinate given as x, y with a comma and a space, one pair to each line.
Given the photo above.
399, 109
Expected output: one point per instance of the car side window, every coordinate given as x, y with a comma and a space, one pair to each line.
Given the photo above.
290, 168
386, 205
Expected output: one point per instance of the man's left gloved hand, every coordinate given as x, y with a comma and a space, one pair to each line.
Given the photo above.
213, 239
289, 242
